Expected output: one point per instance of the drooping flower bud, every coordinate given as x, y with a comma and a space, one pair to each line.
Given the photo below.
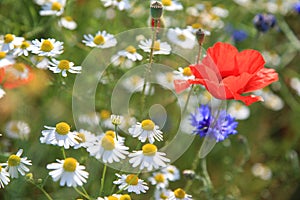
200, 36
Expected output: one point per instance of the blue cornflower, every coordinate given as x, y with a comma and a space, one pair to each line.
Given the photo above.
239, 35
264, 22
204, 123
296, 7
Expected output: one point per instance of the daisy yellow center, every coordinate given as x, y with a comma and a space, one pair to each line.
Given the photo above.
47, 46
181, 37
135, 80
19, 67
187, 71
62, 128
156, 46
99, 39
171, 171
169, 77
119, 0
70, 164
148, 125
8, 38
14, 128
163, 196
131, 49
0, 168
122, 59
149, 149
160, 178
68, 18
132, 179
125, 197
238, 106
81, 137
14, 160
56, 6
179, 193
112, 198
2, 54
25, 45
166, 2
110, 133
105, 114
64, 65
196, 26
108, 142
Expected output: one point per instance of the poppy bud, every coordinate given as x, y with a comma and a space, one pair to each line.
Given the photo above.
200, 36
189, 174
156, 10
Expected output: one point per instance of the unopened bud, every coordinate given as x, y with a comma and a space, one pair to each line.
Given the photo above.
156, 10
200, 36
189, 174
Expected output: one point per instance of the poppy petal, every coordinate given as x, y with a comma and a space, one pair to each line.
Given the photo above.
249, 61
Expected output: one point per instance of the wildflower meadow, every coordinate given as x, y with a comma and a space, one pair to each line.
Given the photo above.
149, 100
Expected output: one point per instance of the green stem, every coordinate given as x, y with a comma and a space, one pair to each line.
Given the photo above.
116, 128
289, 33
102, 180
205, 174
45, 193
81, 193
188, 99
85, 192
63, 152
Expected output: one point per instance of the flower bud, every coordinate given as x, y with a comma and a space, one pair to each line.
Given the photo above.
156, 10
200, 36
189, 174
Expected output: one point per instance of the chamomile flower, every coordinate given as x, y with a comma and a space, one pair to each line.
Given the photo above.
122, 61
130, 53
108, 149
101, 40
67, 22
18, 71
166, 80
172, 5
238, 110
63, 66
40, 62
22, 49
105, 119
146, 130
171, 172
133, 83
159, 180
179, 194
59, 135
184, 73
148, 158
4, 177
162, 194
120, 4
181, 37
53, 7
116, 197
10, 41
17, 130
69, 172
6, 59
84, 139
46, 47
17, 164
159, 47
131, 183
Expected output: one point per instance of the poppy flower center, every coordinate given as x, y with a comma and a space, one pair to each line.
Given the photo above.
99, 39
181, 37
108, 142
179, 193
62, 128
156, 46
81, 138
187, 71
112, 198
25, 45
70, 164
14, 160
132, 179
149, 149
131, 49
160, 178
110, 133
125, 197
196, 26
47, 46
8, 38
64, 65
148, 125
56, 6
104, 114
2, 54
19, 67
166, 2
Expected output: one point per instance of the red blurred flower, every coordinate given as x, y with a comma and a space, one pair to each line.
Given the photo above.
227, 73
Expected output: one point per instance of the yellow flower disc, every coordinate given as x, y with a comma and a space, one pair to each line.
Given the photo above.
181, 37
25, 45
14, 160
132, 179
179, 193
81, 137
104, 114
8, 38
19, 67
131, 49
2, 54
156, 46
187, 71
166, 2
64, 65
62, 128
160, 178
196, 26
56, 6
110, 133
70, 164
148, 125
125, 197
99, 39
108, 142
47, 46
149, 149
112, 198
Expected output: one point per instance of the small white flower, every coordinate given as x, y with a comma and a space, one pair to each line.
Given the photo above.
122, 61
130, 53
10, 41
148, 158
17, 164
6, 59
120, 4
181, 37
40, 62
116, 197
54, 7
59, 135
17, 130
101, 40
162, 194
146, 130
22, 49
166, 80
69, 172
171, 172
18, 71
105, 119
159, 47
68, 23
220, 12
238, 110
179, 194
172, 5
48, 47
85, 139
183, 73
2, 93
4, 177
131, 183
63, 66
159, 180
262, 171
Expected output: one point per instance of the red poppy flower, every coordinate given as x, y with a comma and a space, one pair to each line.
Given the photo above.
227, 73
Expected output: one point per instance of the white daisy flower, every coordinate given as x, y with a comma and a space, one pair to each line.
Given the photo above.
10, 41
166, 80
146, 130
67, 22
172, 5
159, 47
48, 47
108, 148
120, 4
116, 197
130, 53
133, 83
162, 194
148, 158
127, 121
171, 172
159, 180
18, 70
17, 164
91, 119
22, 49
181, 37
105, 119
122, 61
2, 93
6, 59
40, 62
17, 130
69, 172
101, 40
63, 66
131, 183
238, 110
4, 177
84, 139
59, 135
183, 73
53, 7
179, 194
